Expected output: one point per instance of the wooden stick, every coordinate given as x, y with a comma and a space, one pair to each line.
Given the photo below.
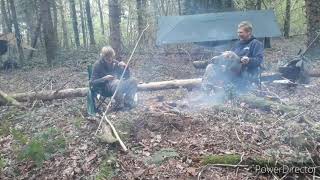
116, 134
117, 88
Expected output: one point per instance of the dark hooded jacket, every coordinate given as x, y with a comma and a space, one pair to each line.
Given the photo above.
101, 68
251, 48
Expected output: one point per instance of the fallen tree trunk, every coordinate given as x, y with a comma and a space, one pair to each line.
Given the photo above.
50, 95
174, 84
286, 71
314, 73
8, 100
81, 92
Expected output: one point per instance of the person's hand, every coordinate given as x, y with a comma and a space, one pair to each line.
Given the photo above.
228, 54
108, 77
244, 60
122, 64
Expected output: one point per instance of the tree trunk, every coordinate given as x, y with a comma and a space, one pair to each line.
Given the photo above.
7, 100
65, 40
74, 22
259, 4
28, 17
83, 24
286, 26
179, 7
5, 20
9, 16
115, 31
35, 37
17, 31
89, 21
250, 4
81, 92
101, 17
141, 10
209, 6
55, 20
47, 30
313, 24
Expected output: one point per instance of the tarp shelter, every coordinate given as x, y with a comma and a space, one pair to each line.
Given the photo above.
214, 26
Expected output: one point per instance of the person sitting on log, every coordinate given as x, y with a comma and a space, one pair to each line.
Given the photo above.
239, 65
105, 78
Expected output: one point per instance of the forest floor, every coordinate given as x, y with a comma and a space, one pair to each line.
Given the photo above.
169, 135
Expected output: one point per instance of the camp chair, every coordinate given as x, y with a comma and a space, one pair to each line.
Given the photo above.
94, 98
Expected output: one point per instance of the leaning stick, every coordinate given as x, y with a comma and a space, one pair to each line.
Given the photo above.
104, 116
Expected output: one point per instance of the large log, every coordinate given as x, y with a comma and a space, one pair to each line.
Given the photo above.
50, 95
283, 71
8, 100
81, 92
174, 84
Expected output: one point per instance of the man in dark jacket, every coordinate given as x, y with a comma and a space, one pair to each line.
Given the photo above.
247, 53
248, 48
105, 79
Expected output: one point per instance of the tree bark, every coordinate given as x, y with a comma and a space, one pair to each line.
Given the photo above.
259, 4
5, 19
83, 24
73, 14
313, 24
47, 30
101, 17
179, 7
9, 16
35, 37
17, 31
7, 100
81, 92
65, 40
250, 4
286, 26
55, 20
115, 31
141, 10
89, 21
196, 7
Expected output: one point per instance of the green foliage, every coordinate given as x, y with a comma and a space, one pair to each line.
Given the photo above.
2, 163
106, 172
222, 159
298, 16
161, 156
35, 151
78, 121
5, 128
19, 136
43, 146
107, 169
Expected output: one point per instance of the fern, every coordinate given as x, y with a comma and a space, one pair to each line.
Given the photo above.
42, 146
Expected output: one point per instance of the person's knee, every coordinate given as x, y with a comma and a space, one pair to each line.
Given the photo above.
133, 83
209, 67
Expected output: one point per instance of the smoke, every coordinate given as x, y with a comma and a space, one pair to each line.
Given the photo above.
222, 81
